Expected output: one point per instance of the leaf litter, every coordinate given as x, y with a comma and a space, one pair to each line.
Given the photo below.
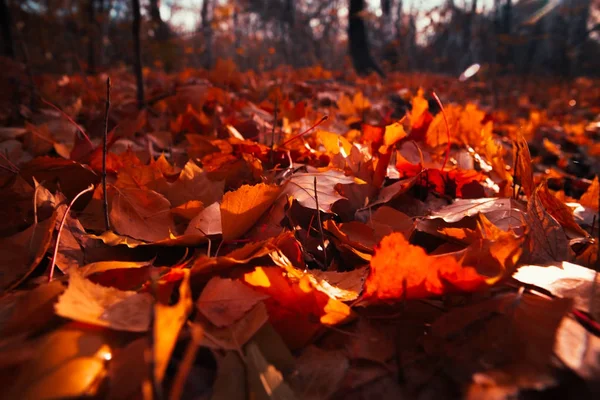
273, 242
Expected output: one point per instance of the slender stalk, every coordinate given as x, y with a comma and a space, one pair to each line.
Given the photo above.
104, 153
320, 223
439, 102
60, 228
319, 122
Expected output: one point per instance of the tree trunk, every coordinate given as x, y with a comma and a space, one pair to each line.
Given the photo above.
207, 33
8, 47
357, 38
137, 52
92, 33
161, 29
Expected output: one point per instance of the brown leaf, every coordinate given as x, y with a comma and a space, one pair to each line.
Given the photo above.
192, 184
142, 214
236, 335
523, 174
33, 310
318, 373
74, 358
242, 208
168, 321
88, 302
301, 187
559, 210
591, 196
66, 176
547, 238
224, 301
22, 252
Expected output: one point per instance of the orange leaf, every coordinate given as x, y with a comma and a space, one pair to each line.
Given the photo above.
297, 308
400, 270
242, 208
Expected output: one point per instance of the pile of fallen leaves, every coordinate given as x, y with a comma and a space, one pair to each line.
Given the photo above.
298, 234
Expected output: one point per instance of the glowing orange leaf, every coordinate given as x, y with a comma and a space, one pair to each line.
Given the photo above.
297, 308
400, 270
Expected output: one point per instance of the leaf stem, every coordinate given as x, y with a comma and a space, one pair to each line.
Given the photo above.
439, 102
320, 223
104, 153
60, 228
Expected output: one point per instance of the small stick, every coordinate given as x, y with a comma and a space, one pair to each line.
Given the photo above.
439, 102
319, 122
60, 228
64, 114
320, 223
273, 130
515, 190
104, 152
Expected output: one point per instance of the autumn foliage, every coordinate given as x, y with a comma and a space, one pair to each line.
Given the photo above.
297, 234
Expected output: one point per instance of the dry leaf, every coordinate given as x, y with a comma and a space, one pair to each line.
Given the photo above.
242, 208
22, 252
88, 302
141, 214
301, 187
168, 321
400, 270
224, 301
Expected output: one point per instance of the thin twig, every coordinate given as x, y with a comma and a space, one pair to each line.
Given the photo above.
104, 152
11, 166
64, 114
439, 102
60, 228
273, 130
320, 223
319, 122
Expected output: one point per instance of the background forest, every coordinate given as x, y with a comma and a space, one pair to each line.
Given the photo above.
559, 37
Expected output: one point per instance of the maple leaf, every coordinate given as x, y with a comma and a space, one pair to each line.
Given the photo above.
400, 270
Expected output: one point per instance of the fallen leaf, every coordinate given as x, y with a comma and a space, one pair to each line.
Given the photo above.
75, 358
591, 196
297, 308
318, 373
142, 214
224, 301
168, 321
22, 252
301, 187
88, 302
547, 238
400, 270
523, 174
242, 208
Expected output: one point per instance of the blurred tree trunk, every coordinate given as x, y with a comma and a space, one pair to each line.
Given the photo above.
207, 33
578, 32
507, 31
160, 27
92, 34
357, 38
137, 52
8, 47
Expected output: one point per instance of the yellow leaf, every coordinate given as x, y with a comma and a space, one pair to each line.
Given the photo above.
334, 142
242, 208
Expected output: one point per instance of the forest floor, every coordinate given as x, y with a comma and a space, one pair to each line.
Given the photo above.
298, 234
